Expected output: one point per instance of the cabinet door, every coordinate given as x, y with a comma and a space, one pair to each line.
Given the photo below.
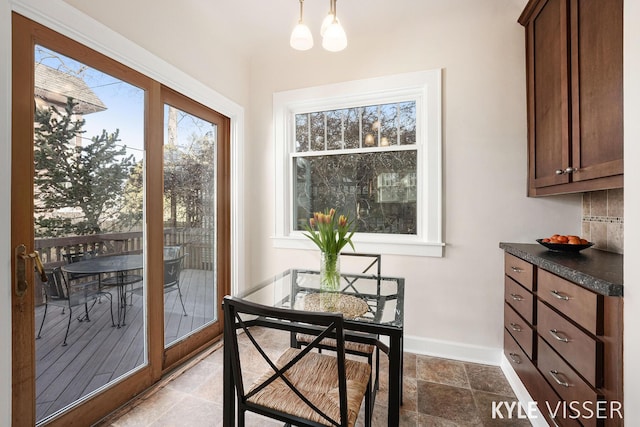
596, 75
548, 93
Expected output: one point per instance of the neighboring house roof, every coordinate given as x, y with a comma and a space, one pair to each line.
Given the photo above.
56, 86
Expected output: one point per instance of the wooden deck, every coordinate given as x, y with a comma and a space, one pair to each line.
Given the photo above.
97, 353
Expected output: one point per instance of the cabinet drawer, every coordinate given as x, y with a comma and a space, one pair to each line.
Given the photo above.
519, 329
582, 351
566, 382
580, 305
519, 298
541, 392
520, 270
518, 359
551, 406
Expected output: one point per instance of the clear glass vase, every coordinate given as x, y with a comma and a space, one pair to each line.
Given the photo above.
329, 280
329, 272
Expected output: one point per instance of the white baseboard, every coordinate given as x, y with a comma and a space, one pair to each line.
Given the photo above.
453, 350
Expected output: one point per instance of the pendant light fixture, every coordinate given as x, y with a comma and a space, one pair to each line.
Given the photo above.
328, 20
301, 38
334, 39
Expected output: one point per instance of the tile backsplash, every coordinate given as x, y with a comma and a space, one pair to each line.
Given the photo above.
603, 219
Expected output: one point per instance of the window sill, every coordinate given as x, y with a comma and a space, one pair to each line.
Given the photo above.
396, 246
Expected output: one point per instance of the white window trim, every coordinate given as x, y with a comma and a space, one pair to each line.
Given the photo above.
425, 88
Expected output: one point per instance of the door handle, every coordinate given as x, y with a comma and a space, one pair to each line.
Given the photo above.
21, 271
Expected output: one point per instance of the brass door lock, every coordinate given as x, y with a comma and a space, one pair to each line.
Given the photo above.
21, 275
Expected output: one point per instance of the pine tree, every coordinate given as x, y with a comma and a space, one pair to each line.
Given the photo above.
86, 181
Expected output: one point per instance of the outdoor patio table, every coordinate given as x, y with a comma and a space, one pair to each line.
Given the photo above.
120, 265
380, 312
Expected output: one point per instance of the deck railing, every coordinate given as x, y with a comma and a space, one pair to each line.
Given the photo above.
196, 242
52, 250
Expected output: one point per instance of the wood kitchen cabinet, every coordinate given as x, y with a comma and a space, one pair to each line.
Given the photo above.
574, 95
563, 339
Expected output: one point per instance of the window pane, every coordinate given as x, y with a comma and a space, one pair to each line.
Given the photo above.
302, 133
352, 128
407, 123
378, 189
189, 223
317, 131
89, 210
388, 125
334, 129
370, 126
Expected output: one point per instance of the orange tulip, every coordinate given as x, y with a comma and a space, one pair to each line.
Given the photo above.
328, 233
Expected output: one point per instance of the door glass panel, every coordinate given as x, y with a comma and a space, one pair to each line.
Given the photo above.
88, 222
190, 151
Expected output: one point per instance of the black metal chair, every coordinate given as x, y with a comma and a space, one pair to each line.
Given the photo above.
172, 269
301, 387
364, 264
58, 292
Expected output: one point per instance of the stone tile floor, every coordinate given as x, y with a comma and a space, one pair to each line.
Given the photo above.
437, 393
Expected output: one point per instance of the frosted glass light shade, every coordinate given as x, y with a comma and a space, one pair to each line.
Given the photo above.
334, 39
328, 20
301, 38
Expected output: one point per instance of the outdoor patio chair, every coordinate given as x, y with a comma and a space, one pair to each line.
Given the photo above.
363, 264
299, 387
171, 252
76, 257
172, 269
58, 292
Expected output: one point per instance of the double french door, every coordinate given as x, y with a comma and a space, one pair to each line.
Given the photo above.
108, 163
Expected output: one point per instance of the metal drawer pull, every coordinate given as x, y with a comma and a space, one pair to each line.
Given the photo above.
554, 374
516, 269
554, 333
516, 327
515, 358
516, 297
559, 295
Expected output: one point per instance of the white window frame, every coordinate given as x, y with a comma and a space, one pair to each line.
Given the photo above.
425, 88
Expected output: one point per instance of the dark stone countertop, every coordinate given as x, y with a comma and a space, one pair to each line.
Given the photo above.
593, 269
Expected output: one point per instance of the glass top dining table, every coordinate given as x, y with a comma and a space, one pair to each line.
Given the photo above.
371, 304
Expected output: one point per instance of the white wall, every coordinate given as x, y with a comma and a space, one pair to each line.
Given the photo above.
456, 299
